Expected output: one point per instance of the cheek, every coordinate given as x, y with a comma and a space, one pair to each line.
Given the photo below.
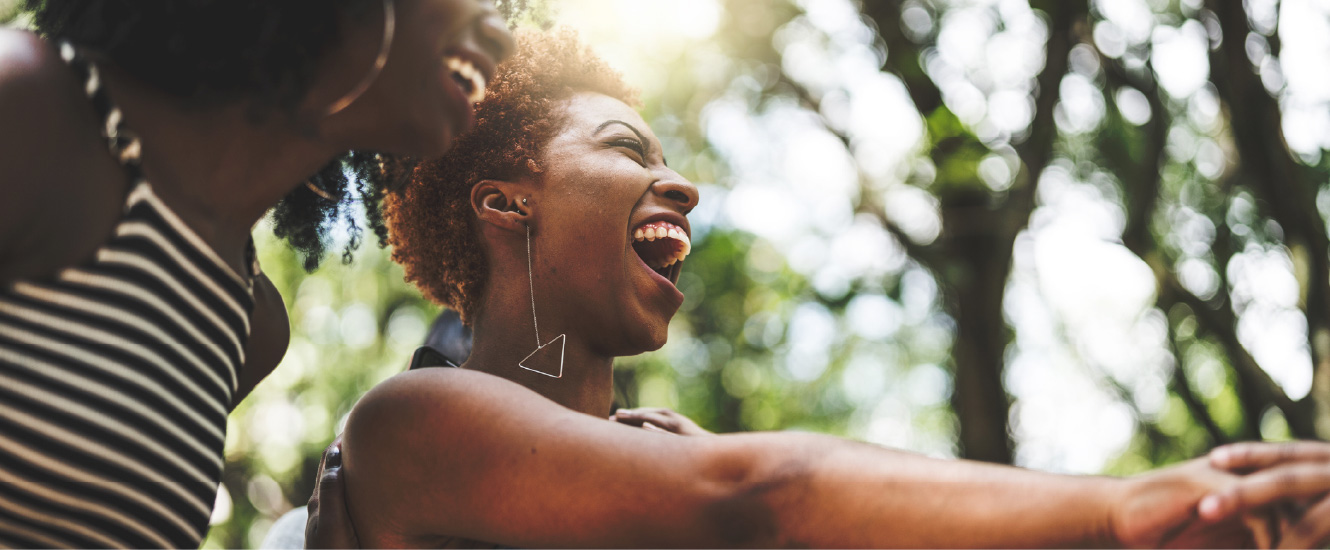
593, 240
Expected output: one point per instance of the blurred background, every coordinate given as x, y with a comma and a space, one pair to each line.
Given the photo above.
1083, 236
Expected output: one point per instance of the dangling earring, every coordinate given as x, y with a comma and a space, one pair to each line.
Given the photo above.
561, 339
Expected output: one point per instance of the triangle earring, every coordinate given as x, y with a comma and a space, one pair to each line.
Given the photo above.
561, 339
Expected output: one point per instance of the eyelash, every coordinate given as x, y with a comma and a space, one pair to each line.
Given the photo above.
633, 144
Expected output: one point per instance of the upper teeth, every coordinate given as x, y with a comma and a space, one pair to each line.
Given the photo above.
665, 230
467, 70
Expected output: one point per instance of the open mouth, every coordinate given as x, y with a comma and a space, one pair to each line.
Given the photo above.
662, 247
467, 77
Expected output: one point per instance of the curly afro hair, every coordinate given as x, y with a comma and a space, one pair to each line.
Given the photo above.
430, 222
213, 52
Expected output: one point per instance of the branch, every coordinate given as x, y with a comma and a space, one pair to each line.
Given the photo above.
903, 55
1182, 386
924, 254
1277, 178
1036, 151
1142, 181
1220, 323
921, 253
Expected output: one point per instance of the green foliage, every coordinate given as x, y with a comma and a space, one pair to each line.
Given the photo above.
739, 355
11, 13
352, 326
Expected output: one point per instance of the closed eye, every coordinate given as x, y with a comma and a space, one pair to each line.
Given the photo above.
633, 145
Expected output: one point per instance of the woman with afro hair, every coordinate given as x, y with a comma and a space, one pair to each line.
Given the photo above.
557, 230
140, 142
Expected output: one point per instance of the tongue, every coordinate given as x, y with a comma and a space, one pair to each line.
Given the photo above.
657, 252
464, 83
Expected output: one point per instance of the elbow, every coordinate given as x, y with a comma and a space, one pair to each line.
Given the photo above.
755, 505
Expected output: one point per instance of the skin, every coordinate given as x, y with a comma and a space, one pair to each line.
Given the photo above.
658, 419
215, 167
589, 282
491, 452
1288, 479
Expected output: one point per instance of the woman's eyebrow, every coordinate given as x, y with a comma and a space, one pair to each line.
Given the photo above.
644, 140
608, 123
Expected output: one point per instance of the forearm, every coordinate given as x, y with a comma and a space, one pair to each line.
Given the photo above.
462, 454
819, 491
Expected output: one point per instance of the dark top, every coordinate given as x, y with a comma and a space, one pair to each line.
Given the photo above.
116, 378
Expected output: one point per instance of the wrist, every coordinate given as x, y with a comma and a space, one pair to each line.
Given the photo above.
1118, 494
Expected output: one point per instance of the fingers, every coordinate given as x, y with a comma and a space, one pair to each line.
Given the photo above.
654, 428
1312, 530
1286, 483
1257, 456
662, 418
329, 524
332, 458
642, 423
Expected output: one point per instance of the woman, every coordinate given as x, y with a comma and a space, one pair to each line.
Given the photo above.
127, 307
561, 246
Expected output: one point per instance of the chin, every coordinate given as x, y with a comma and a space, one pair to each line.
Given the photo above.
649, 337
417, 140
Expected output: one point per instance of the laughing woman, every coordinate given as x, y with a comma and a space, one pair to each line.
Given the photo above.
127, 307
557, 235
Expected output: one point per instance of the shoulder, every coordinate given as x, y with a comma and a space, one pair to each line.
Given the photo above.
33, 78
441, 428
40, 123
269, 337
22, 50
448, 396
458, 453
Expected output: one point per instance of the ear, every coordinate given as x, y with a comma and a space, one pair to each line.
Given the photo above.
501, 204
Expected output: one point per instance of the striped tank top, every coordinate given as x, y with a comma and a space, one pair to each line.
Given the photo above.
116, 378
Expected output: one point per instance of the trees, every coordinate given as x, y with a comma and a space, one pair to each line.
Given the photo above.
1201, 174
1086, 235
1070, 234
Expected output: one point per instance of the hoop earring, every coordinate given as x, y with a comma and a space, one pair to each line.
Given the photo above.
317, 191
563, 341
389, 29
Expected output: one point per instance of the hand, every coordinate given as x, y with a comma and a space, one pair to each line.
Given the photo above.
1291, 480
1159, 510
658, 420
329, 524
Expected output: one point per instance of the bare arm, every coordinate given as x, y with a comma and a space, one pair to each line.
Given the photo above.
464, 454
270, 335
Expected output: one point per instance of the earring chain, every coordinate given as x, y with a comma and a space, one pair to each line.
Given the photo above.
531, 281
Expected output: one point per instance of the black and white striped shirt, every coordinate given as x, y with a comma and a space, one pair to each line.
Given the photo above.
116, 378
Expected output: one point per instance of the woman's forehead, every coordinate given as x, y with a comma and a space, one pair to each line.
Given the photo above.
586, 111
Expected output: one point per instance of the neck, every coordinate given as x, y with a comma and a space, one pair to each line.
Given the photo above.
218, 170
504, 335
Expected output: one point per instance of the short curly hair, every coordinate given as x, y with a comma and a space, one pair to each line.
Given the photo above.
431, 226
213, 52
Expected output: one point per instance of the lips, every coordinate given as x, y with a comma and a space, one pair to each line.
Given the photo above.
662, 246
467, 77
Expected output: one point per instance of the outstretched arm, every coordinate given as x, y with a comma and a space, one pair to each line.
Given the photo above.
452, 453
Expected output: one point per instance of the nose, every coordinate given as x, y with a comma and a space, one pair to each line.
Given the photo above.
676, 189
493, 34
